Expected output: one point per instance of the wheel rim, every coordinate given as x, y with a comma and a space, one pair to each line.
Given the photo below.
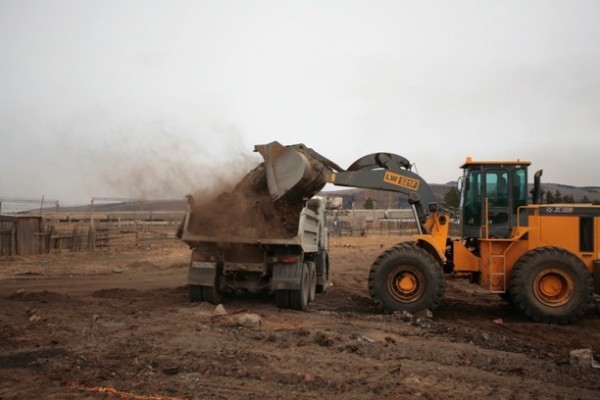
405, 284
553, 287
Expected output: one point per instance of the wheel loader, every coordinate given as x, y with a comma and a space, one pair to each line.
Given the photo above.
544, 259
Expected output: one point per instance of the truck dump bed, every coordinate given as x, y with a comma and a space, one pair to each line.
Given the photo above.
306, 236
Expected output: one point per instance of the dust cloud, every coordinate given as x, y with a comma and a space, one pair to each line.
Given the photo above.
154, 162
247, 212
225, 182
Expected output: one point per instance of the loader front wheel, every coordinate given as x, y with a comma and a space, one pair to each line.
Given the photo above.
406, 278
551, 285
299, 297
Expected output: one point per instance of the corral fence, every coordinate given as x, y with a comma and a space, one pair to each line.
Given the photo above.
27, 235
22, 235
398, 222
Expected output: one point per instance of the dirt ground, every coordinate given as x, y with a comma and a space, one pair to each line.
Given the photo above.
118, 324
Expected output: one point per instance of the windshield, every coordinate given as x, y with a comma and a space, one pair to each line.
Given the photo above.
471, 198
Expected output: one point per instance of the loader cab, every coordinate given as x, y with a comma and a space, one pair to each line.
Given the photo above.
491, 194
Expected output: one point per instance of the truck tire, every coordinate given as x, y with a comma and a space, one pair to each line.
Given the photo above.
312, 275
282, 298
322, 272
212, 294
551, 285
406, 278
299, 297
195, 292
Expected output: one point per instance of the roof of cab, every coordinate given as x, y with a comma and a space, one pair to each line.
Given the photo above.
469, 161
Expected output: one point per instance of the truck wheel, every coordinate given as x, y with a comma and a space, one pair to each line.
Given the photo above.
212, 294
299, 297
322, 272
551, 285
406, 278
282, 298
312, 274
195, 293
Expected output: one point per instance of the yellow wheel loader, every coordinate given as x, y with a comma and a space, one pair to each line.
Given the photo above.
544, 259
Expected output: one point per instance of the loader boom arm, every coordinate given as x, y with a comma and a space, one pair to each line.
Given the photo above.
296, 168
389, 172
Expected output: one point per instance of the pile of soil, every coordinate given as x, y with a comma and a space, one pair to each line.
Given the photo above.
248, 211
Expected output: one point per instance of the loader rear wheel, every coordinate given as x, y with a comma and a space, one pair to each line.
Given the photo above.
312, 286
195, 293
406, 278
506, 297
299, 297
551, 285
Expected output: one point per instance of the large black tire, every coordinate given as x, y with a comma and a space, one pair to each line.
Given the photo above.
195, 293
212, 294
551, 285
312, 280
506, 297
282, 298
322, 272
299, 297
406, 278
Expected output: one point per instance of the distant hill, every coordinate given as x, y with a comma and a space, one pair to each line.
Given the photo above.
352, 198
145, 206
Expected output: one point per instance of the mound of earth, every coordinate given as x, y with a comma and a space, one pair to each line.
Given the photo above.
247, 211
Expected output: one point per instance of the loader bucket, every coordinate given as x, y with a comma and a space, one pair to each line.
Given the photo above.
291, 172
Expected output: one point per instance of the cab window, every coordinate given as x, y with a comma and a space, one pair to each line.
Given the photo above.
472, 198
496, 188
519, 190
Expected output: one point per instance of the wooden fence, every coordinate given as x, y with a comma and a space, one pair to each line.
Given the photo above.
359, 225
21, 235
26, 235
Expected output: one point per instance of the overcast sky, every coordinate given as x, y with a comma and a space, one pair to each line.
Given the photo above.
159, 98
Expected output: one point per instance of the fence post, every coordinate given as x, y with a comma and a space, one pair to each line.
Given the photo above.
92, 238
75, 240
13, 240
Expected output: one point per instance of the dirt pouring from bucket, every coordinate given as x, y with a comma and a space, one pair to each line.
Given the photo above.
247, 211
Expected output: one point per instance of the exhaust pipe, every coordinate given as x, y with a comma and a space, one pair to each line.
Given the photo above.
537, 188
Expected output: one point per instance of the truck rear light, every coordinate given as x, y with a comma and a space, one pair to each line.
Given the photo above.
199, 256
286, 260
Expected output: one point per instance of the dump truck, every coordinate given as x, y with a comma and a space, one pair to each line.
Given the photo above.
542, 258
244, 241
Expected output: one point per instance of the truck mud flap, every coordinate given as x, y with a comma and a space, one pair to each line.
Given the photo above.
202, 273
287, 277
